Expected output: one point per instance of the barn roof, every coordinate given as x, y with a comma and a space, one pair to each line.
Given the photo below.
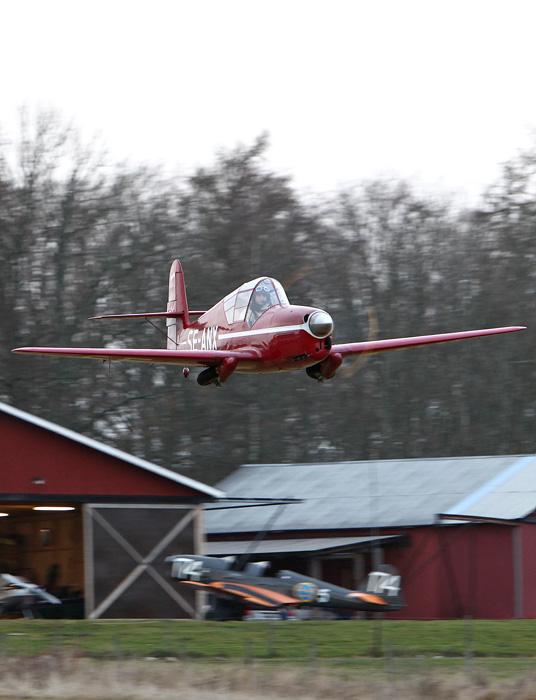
296, 545
385, 493
203, 489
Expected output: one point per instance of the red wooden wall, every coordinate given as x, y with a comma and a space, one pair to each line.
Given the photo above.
29, 452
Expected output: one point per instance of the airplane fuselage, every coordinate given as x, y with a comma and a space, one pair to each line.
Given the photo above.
281, 338
250, 588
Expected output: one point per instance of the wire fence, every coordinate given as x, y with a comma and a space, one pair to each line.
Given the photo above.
359, 657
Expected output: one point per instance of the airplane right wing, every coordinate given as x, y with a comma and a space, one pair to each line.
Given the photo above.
205, 358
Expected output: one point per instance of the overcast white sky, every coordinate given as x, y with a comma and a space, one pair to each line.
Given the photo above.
438, 91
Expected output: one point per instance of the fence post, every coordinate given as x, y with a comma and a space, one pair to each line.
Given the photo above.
377, 635
468, 627
270, 642
247, 651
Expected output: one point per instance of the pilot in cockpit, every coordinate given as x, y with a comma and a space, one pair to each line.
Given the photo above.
260, 301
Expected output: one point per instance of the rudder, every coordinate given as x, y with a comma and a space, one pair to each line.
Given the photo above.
177, 303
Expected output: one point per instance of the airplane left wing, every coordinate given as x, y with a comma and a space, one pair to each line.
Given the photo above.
248, 593
371, 346
204, 358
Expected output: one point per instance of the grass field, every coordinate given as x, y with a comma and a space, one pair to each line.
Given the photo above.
299, 641
127, 660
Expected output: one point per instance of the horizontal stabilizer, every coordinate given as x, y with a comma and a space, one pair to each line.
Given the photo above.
148, 314
382, 588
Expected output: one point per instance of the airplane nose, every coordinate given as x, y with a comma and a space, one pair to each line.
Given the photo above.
320, 324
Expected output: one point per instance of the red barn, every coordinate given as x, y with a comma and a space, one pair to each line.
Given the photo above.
460, 530
94, 524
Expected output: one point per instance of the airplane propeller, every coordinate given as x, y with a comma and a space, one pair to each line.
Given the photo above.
351, 368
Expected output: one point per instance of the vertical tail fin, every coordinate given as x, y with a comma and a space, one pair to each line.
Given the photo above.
178, 303
385, 581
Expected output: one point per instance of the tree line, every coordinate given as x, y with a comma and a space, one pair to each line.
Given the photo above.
80, 237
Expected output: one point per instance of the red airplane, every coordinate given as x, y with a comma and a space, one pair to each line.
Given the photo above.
252, 329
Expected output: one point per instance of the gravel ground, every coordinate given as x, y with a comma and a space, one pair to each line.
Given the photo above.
68, 678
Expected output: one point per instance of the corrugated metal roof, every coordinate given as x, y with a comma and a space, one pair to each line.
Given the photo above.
385, 493
112, 451
310, 544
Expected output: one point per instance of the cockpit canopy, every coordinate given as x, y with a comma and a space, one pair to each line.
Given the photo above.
252, 299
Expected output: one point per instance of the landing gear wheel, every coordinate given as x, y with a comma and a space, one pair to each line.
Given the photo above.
315, 372
208, 376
